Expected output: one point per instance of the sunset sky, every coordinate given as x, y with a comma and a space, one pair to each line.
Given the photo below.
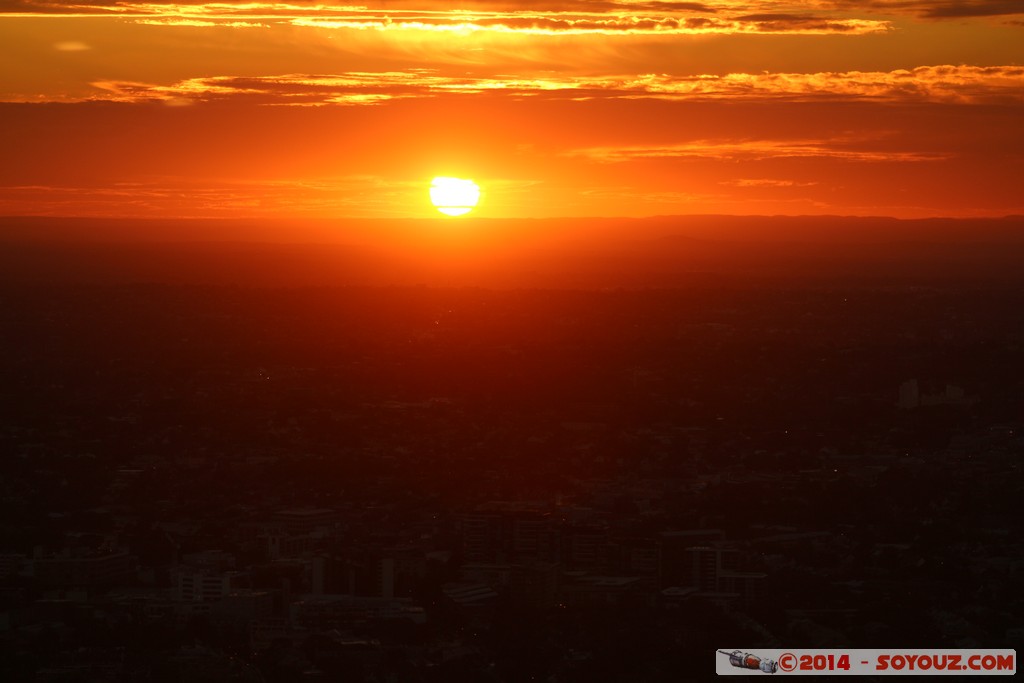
906, 108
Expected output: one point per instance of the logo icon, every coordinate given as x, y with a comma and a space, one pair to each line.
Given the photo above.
745, 660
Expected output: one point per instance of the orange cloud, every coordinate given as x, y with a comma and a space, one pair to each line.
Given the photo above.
956, 84
934, 9
565, 18
766, 182
925, 83
350, 195
164, 21
754, 150
541, 24
555, 15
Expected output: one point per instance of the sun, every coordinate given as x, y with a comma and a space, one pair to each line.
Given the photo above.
454, 196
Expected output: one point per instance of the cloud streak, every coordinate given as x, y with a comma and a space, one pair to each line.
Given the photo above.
755, 150
949, 84
540, 24
539, 17
566, 18
933, 9
350, 195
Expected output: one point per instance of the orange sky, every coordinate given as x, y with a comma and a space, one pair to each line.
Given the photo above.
904, 108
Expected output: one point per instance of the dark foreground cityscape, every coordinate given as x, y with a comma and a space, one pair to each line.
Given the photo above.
210, 481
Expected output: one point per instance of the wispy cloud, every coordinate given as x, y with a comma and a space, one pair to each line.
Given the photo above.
767, 182
348, 195
933, 9
553, 15
611, 24
175, 21
958, 84
554, 18
755, 150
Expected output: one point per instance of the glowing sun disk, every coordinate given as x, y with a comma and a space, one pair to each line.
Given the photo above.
454, 196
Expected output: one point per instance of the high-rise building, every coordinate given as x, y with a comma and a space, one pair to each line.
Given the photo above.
198, 585
300, 521
500, 532
910, 395
707, 565
676, 560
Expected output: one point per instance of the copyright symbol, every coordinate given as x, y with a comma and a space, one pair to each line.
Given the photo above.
787, 661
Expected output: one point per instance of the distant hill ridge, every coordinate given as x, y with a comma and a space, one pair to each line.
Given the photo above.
664, 251
363, 230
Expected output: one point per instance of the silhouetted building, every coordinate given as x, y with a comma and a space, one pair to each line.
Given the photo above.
499, 532
676, 558
300, 521
705, 567
83, 568
585, 548
910, 395
327, 612
585, 590
203, 585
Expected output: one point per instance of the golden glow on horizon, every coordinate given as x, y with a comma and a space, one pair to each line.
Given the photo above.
454, 196
282, 108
